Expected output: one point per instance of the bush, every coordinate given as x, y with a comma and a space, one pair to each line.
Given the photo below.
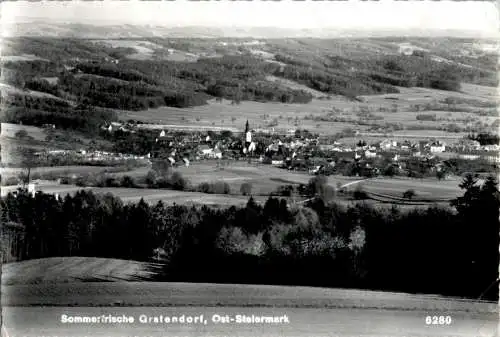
219, 187
81, 181
233, 240
285, 190
127, 181
10, 181
178, 182
359, 193
21, 134
426, 117
151, 179
409, 194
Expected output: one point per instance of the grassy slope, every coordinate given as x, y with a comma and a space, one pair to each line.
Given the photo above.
74, 269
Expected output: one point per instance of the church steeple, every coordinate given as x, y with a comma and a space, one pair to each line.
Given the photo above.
247, 135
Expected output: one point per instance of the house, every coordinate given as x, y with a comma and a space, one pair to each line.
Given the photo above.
405, 145
437, 147
205, 150
387, 144
186, 161
171, 160
316, 169
32, 188
370, 154
493, 147
468, 156
467, 144
406, 50
217, 153
277, 160
494, 158
162, 133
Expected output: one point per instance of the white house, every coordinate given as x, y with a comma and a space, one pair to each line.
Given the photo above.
32, 188
468, 156
217, 153
493, 158
252, 147
493, 147
387, 144
205, 150
437, 147
277, 161
162, 133
171, 160
370, 154
406, 50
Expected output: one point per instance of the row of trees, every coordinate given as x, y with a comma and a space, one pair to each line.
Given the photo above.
436, 250
485, 138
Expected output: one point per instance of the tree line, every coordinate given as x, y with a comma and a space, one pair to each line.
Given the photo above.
434, 250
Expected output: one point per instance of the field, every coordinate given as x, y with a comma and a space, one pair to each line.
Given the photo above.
425, 188
32, 305
147, 50
76, 269
264, 178
325, 116
295, 85
9, 130
7, 89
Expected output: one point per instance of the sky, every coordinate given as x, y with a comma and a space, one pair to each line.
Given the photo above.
480, 16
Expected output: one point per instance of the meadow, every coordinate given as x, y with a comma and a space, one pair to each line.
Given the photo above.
338, 114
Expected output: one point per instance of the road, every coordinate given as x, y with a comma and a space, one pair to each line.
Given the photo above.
47, 321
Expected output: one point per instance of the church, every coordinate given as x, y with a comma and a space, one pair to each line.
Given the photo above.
249, 146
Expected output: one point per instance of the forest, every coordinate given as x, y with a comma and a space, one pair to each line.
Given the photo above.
435, 250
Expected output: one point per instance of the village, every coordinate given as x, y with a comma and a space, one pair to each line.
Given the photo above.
298, 150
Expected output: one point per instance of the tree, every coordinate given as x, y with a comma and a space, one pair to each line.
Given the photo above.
317, 185
162, 167
441, 174
178, 182
151, 179
409, 194
28, 162
359, 193
246, 188
127, 181
470, 197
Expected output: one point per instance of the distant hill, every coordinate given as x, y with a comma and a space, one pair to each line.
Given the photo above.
87, 30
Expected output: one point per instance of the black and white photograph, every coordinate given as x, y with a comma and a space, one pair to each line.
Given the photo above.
249, 168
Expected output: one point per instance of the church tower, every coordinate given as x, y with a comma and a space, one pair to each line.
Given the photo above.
248, 135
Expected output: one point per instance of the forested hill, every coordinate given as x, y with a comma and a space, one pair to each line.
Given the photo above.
133, 74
